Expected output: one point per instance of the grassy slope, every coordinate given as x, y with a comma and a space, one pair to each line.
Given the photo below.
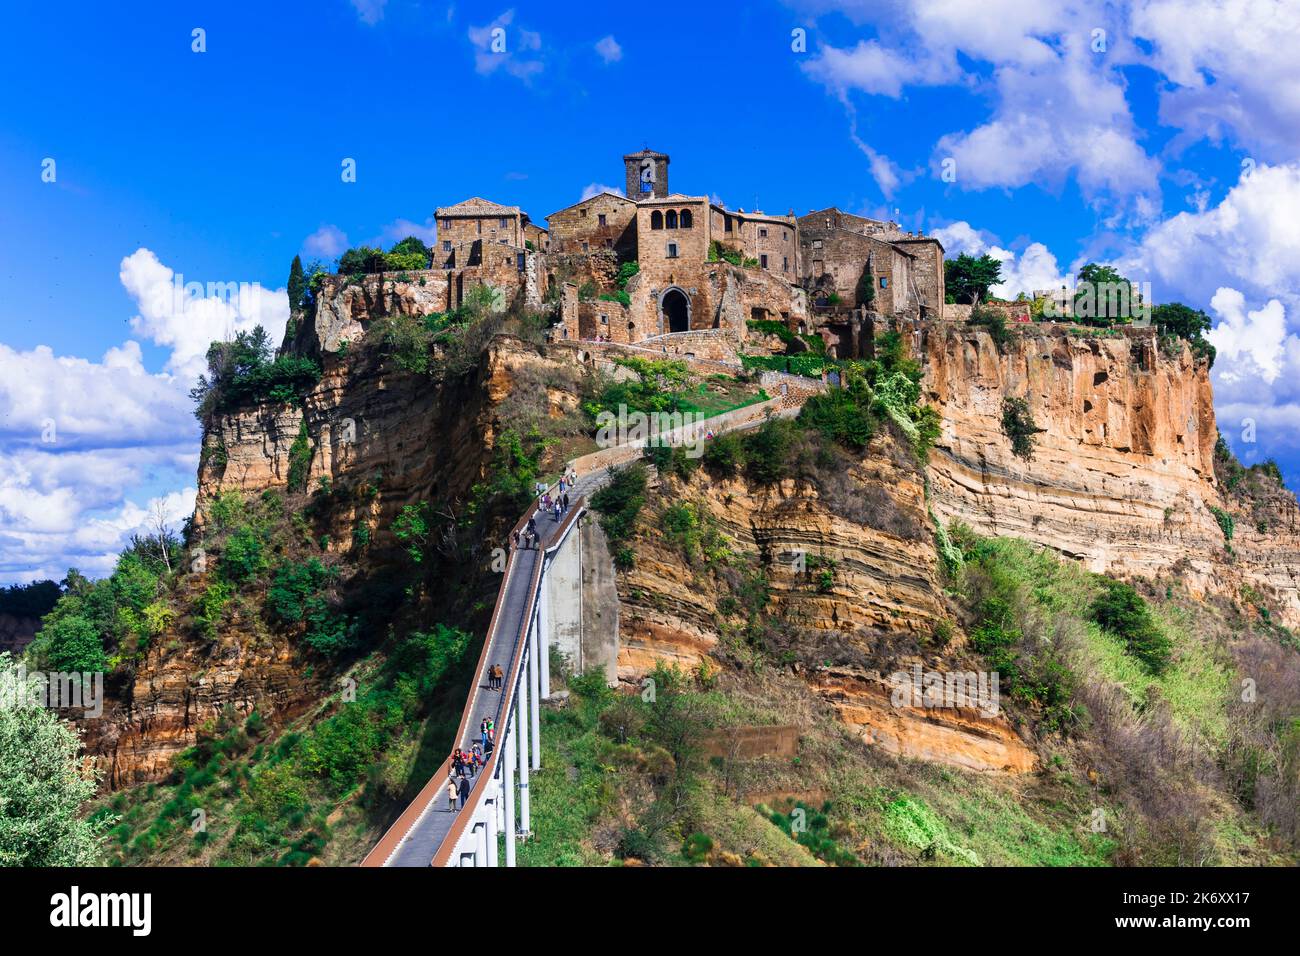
896, 811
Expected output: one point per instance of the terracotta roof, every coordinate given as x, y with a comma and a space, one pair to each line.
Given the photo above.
477, 207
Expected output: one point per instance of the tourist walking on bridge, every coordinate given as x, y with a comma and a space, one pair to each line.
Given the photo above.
451, 794
464, 792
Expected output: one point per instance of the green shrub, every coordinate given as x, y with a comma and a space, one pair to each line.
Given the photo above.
1226, 523
994, 321
1018, 425
842, 415
243, 556
300, 453
1121, 610
620, 502
242, 372
411, 527
724, 454
73, 644
767, 451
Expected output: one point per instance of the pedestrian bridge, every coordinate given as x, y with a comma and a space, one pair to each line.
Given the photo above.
540, 604
523, 626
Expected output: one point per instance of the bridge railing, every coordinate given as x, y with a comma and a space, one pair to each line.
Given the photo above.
491, 776
434, 788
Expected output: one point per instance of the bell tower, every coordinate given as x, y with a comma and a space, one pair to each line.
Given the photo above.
647, 174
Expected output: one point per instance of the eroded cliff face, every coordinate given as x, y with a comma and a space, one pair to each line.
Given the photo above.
384, 439
1122, 477
845, 634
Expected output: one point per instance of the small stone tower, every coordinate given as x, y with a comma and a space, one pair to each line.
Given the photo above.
647, 174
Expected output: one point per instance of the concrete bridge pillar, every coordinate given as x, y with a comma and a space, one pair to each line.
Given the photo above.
544, 629
521, 722
508, 786
535, 696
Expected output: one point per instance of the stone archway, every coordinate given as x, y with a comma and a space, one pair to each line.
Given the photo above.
674, 310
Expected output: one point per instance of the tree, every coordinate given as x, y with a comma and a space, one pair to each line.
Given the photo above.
72, 644
1103, 297
362, 260
410, 253
865, 293
1174, 318
968, 279
297, 286
42, 786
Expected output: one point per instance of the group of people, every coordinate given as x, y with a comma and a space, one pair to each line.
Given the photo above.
495, 676
464, 765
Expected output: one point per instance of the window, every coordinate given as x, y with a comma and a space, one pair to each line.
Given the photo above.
584, 247
604, 320
726, 225
670, 219
672, 250
817, 243
785, 263
446, 245
600, 220
478, 223
762, 233
504, 222
884, 282
818, 267
784, 237
762, 261
656, 220
685, 219
582, 213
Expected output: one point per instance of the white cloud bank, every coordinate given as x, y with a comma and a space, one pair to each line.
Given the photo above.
87, 449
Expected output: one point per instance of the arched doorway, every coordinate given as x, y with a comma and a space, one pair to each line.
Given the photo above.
674, 310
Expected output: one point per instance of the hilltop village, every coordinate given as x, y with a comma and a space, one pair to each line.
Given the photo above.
683, 273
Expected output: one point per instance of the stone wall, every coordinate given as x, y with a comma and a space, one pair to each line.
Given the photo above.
578, 229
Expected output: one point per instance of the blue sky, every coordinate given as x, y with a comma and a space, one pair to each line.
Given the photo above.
222, 165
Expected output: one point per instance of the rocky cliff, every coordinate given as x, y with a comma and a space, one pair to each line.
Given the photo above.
379, 439
1123, 475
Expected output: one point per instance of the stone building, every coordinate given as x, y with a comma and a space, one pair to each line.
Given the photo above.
477, 220
603, 221
703, 271
840, 251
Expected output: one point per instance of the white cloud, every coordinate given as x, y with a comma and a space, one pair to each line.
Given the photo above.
1059, 110
370, 11
1036, 268
1250, 344
1250, 241
595, 189
1232, 68
87, 447
876, 69
174, 315
498, 46
609, 50
328, 241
